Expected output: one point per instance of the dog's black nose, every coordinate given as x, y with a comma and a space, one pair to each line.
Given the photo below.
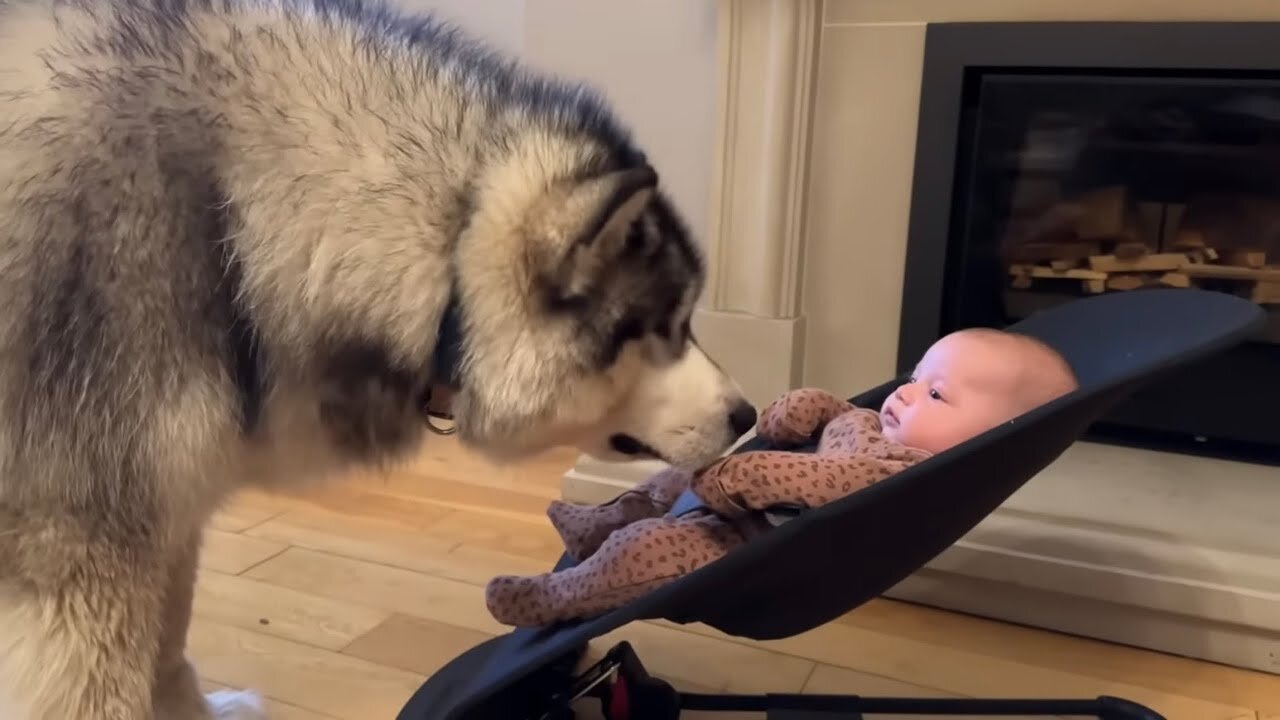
743, 418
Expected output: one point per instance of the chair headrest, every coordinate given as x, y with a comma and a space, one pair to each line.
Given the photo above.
1114, 337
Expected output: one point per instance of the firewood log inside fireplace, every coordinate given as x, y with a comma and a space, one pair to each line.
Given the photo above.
1104, 240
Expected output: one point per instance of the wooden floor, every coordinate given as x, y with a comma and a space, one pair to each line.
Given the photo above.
339, 604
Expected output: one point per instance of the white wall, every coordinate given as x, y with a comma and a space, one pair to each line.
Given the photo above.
500, 22
654, 59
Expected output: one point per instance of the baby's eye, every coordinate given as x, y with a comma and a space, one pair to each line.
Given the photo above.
935, 394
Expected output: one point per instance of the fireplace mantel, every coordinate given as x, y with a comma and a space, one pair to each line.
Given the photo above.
816, 148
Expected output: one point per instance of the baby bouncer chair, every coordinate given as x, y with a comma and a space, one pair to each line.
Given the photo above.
783, 583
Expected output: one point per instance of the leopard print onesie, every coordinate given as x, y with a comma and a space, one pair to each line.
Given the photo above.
633, 544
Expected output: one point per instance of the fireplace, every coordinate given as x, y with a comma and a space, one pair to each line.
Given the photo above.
1061, 160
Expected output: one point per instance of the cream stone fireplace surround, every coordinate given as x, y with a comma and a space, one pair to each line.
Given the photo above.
818, 109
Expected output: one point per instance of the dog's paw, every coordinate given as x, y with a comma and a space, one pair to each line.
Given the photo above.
236, 705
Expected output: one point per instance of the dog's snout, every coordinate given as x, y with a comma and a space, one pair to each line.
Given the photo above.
743, 418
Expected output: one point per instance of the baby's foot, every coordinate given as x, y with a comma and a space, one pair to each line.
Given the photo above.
550, 598
583, 528
523, 601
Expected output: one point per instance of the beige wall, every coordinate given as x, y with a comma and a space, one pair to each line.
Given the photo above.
656, 60
863, 148
500, 22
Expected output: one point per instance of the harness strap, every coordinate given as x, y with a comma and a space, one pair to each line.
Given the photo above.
689, 501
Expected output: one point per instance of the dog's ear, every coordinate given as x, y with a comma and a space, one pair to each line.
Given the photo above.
601, 210
612, 202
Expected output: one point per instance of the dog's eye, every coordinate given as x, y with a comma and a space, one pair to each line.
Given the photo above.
635, 237
628, 329
564, 302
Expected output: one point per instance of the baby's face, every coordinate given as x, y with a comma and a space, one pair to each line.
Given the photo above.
963, 386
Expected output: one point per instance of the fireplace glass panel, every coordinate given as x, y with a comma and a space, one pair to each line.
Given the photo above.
1070, 185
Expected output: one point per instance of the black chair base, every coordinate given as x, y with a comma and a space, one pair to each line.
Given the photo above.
443, 690
625, 690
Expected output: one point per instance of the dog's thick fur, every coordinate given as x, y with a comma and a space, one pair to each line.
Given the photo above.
229, 232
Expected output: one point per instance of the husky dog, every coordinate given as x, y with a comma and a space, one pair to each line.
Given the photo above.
239, 241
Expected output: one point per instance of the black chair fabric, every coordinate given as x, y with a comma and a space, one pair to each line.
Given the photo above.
787, 581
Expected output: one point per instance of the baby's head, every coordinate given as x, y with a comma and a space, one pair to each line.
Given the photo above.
969, 382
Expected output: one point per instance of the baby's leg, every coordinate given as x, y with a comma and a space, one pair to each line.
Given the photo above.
631, 562
583, 527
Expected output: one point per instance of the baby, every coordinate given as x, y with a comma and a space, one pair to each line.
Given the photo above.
967, 383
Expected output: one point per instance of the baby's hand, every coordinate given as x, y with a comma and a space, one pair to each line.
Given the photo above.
796, 417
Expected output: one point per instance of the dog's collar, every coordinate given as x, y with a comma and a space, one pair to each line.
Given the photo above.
446, 362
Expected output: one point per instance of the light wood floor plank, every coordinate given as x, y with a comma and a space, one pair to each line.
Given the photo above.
970, 671
414, 644
276, 709
234, 553
240, 515
432, 552
381, 586
282, 612
692, 662
308, 677
833, 680
358, 538
537, 540
1156, 670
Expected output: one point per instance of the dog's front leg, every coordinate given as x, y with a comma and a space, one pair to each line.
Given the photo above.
177, 693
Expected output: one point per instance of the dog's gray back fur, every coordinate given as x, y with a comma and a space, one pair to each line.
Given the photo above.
229, 232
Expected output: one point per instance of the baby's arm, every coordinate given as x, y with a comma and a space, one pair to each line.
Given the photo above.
755, 481
794, 418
